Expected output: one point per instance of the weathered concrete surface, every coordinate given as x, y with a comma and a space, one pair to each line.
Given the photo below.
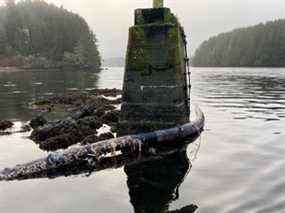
155, 84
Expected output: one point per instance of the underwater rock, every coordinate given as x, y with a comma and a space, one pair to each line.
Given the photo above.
4, 124
75, 101
38, 122
79, 98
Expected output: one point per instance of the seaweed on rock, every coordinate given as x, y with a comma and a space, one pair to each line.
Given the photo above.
87, 112
4, 124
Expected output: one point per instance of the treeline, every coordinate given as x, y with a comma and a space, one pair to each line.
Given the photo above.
260, 45
38, 34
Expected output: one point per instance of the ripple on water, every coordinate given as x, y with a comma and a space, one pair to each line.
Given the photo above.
256, 94
9, 85
48, 94
72, 89
37, 83
90, 88
253, 181
17, 92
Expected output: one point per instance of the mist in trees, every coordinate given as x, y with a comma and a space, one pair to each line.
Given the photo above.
38, 34
260, 45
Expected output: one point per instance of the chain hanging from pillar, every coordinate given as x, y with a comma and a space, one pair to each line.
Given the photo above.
187, 73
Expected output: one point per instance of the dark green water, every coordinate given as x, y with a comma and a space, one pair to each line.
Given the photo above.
239, 167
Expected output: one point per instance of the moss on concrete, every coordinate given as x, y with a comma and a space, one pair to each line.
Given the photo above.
155, 82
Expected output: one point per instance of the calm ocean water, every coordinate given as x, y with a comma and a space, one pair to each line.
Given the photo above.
238, 167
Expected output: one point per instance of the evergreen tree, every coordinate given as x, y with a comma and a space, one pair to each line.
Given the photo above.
38, 30
260, 45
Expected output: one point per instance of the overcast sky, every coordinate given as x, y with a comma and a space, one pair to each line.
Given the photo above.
110, 19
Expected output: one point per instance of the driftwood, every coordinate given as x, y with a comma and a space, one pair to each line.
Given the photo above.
101, 152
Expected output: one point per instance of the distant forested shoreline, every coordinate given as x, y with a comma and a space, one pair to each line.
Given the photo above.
262, 45
35, 34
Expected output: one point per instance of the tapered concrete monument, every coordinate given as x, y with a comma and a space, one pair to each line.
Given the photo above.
155, 91
157, 3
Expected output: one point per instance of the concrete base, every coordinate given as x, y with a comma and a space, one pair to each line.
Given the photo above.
155, 86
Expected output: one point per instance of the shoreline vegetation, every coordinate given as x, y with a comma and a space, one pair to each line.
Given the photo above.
38, 35
261, 45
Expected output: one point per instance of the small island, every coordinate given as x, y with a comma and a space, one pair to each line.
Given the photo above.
38, 35
262, 45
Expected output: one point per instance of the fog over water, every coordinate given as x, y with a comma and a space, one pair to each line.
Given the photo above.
110, 19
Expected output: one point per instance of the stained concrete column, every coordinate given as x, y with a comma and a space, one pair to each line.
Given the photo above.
157, 3
155, 87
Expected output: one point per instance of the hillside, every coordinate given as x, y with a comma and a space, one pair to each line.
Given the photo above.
260, 45
37, 34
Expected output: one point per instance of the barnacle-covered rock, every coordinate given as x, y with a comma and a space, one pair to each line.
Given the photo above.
87, 111
4, 124
38, 122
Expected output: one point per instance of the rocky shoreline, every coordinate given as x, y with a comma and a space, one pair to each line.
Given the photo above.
86, 114
83, 118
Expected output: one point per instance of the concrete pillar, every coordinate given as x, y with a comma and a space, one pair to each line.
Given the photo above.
157, 3
155, 85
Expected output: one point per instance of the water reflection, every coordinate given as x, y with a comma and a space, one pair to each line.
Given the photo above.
153, 179
153, 185
246, 93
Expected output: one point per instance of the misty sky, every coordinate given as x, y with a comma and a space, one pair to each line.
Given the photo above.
110, 19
